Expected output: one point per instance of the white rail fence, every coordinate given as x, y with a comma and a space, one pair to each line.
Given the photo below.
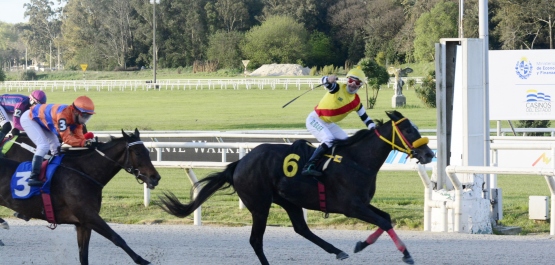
507, 143
169, 84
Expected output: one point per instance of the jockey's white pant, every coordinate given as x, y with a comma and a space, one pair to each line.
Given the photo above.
323, 131
5, 117
44, 139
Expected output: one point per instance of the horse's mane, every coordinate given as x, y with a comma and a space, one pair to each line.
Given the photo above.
102, 146
359, 135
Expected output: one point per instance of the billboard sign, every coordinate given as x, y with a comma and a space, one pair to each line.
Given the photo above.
521, 84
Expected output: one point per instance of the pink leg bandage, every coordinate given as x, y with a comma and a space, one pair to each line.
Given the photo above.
374, 236
398, 243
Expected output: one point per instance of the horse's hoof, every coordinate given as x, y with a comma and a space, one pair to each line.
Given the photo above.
4, 225
360, 246
1, 244
143, 261
408, 260
342, 255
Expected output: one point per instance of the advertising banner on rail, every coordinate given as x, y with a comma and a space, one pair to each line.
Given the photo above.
210, 154
525, 158
521, 83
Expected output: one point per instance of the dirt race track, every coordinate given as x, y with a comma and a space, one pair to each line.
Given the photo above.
188, 244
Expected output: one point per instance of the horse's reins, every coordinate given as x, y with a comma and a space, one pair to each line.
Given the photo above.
131, 170
128, 169
408, 147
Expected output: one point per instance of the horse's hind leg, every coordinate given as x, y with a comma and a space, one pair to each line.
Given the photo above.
299, 224
258, 201
259, 220
83, 239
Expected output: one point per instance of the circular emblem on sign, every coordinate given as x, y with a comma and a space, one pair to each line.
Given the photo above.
523, 68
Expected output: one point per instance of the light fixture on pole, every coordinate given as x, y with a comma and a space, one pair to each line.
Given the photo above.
154, 59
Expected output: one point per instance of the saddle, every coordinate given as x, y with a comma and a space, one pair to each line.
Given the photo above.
20, 189
301, 151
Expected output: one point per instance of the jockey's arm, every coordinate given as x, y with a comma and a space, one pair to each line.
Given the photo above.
364, 117
332, 87
18, 111
73, 137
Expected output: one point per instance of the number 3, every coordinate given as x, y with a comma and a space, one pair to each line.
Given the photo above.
62, 125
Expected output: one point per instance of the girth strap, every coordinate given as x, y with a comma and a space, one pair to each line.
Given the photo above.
46, 201
322, 198
48, 210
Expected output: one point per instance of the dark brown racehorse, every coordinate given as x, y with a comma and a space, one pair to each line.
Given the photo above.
77, 185
20, 151
260, 179
22, 148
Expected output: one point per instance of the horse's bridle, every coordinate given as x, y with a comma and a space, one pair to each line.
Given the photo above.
130, 169
408, 147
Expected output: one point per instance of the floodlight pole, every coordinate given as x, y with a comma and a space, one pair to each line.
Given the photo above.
154, 40
461, 18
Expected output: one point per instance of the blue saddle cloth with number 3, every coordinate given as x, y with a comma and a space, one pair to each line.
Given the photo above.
20, 188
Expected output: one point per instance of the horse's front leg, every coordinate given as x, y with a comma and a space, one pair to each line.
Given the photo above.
83, 239
100, 226
382, 219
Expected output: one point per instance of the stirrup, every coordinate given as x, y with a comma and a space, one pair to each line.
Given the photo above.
311, 171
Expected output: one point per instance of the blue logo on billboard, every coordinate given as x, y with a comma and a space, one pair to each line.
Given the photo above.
533, 95
523, 68
537, 102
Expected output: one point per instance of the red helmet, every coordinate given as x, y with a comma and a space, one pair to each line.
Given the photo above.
84, 105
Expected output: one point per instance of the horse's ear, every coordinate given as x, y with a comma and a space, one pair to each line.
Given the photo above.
137, 132
394, 115
124, 134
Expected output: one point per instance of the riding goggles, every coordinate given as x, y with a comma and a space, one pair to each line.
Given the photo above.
352, 80
83, 117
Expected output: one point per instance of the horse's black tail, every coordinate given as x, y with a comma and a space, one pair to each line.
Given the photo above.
206, 188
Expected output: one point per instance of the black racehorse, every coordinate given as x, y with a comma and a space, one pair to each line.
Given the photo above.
261, 177
77, 184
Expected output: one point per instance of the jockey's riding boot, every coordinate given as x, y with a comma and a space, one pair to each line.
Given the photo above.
310, 166
35, 171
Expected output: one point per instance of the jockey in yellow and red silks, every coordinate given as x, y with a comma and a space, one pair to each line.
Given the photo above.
337, 103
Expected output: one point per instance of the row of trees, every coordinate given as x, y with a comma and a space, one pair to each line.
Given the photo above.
118, 33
